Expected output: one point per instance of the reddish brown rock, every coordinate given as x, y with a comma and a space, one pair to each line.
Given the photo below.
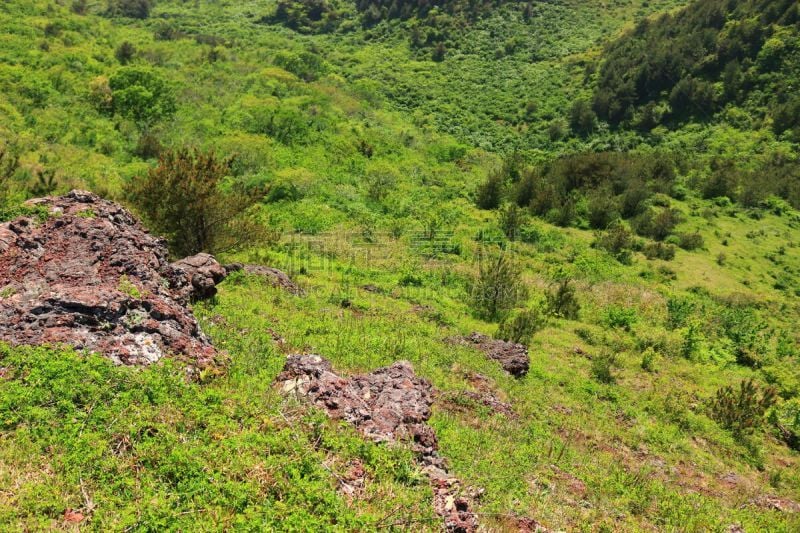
203, 273
512, 356
90, 276
389, 404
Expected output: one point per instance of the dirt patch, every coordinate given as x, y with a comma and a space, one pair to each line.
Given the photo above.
391, 404
91, 277
512, 356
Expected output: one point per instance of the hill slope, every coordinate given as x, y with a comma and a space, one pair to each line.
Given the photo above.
404, 194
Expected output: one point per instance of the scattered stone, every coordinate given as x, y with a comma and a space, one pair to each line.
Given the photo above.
486, 399
91, 277
776, 503
387, 405
511, 355
484, 394
275, 277
372, 288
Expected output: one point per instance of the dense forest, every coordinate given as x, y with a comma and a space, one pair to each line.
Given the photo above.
611, 188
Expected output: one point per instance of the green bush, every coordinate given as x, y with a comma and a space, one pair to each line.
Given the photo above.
603, 365
690, 241
520, 326
490, 192
620, 317
786, 418
659, 250
141, 94
183, 199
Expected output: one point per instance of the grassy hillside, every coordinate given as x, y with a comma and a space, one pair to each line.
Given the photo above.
371, 141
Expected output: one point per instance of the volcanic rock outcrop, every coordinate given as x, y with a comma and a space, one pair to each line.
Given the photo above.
512, 356
389, 404
90, 276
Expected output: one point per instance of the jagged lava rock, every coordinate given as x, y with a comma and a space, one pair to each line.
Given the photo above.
203, 273
389, 404
512, 356
90, 276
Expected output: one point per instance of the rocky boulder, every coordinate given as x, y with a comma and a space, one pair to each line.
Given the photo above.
90, 276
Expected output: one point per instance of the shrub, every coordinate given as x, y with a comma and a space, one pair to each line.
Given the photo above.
603, 209
618, 240
562, 301
690, 241
603, 366
620, 317
182, 198
138, 9
498, 286
659, 250
742, 410
678, 312
512, 219
125, 52
305, 65
582, 119
748, 333
490, 191
692, 337
649, 357
786, 419
522, 325
658, 224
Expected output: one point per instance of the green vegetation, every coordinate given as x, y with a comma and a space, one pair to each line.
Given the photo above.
461, 159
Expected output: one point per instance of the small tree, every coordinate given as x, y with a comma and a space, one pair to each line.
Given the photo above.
182, 198
138, 9
582, 119
742, 410
522, 325
562, 301
125, 52
511, 220
490, 192
498, 286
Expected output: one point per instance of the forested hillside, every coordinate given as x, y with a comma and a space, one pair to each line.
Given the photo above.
604, 194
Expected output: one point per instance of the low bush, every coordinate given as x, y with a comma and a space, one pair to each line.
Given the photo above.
522, 325
659, 250
620, 317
